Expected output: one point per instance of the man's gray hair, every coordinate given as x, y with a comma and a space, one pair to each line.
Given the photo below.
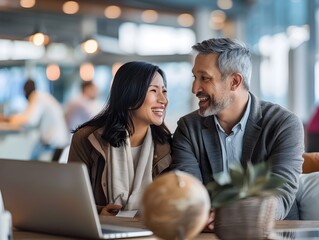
234, 57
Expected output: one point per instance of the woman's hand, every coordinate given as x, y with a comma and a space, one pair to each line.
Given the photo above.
111, 209
210, 224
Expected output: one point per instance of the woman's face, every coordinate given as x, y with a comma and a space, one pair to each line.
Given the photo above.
152, 111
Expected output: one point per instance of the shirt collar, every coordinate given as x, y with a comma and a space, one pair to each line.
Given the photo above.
243, 121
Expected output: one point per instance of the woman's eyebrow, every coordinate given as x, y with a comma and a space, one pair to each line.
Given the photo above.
157, 86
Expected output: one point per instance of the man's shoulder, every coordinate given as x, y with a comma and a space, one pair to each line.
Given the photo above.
278, 115
192, 120
274, 109
191, 116
267, 107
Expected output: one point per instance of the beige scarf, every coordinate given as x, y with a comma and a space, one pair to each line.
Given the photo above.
126, 186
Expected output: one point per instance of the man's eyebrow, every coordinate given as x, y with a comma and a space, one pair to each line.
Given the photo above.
200, 71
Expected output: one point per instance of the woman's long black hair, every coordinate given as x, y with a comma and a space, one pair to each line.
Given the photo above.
128, 91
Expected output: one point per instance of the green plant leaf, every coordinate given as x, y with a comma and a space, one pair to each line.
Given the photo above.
216, 189
262, 169
222, 178
273, 183
255, 181
225, 197
250, 174
237, 176
212, 187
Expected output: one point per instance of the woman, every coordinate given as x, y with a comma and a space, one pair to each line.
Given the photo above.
127, 144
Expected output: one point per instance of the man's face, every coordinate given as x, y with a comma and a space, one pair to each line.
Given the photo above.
213, 93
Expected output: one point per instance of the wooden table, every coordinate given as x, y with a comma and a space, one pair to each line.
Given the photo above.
21, 235
280, 225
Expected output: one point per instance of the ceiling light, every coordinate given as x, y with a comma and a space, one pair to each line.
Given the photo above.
149, 16
225, 4
39, 39
27, 3
217, 20
90, 46
70, 7
53, 72
185, 20
87, 71
112, 12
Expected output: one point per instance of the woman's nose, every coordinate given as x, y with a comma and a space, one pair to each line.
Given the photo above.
162, 99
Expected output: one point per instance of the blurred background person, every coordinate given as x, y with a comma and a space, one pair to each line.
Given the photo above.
84, 106
45, 113
312, 132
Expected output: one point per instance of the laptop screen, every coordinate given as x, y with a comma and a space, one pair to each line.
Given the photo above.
52, 198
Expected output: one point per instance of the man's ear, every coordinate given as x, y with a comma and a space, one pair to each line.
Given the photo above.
236, 81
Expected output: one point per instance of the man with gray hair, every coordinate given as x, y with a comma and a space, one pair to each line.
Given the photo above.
232, 126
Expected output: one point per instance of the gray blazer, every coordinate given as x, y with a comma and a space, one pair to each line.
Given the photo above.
271, 134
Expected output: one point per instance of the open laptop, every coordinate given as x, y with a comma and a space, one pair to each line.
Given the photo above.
56, 198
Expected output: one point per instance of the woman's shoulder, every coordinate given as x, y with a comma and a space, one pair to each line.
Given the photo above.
162, 148
162, 158
84, 131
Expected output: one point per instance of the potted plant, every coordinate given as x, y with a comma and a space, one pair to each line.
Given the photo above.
244, 201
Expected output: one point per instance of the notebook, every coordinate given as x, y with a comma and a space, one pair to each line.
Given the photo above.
56, 198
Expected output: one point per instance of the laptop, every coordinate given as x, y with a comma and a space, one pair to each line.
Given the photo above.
55, 198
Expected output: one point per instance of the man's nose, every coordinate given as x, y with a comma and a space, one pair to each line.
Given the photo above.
196, 86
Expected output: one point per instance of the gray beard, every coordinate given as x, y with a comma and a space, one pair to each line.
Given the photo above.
215, 107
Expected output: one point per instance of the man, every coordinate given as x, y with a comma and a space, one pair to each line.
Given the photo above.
44, 112
232, 126
83, 107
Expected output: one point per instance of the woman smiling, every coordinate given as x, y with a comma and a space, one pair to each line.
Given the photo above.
127, 144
